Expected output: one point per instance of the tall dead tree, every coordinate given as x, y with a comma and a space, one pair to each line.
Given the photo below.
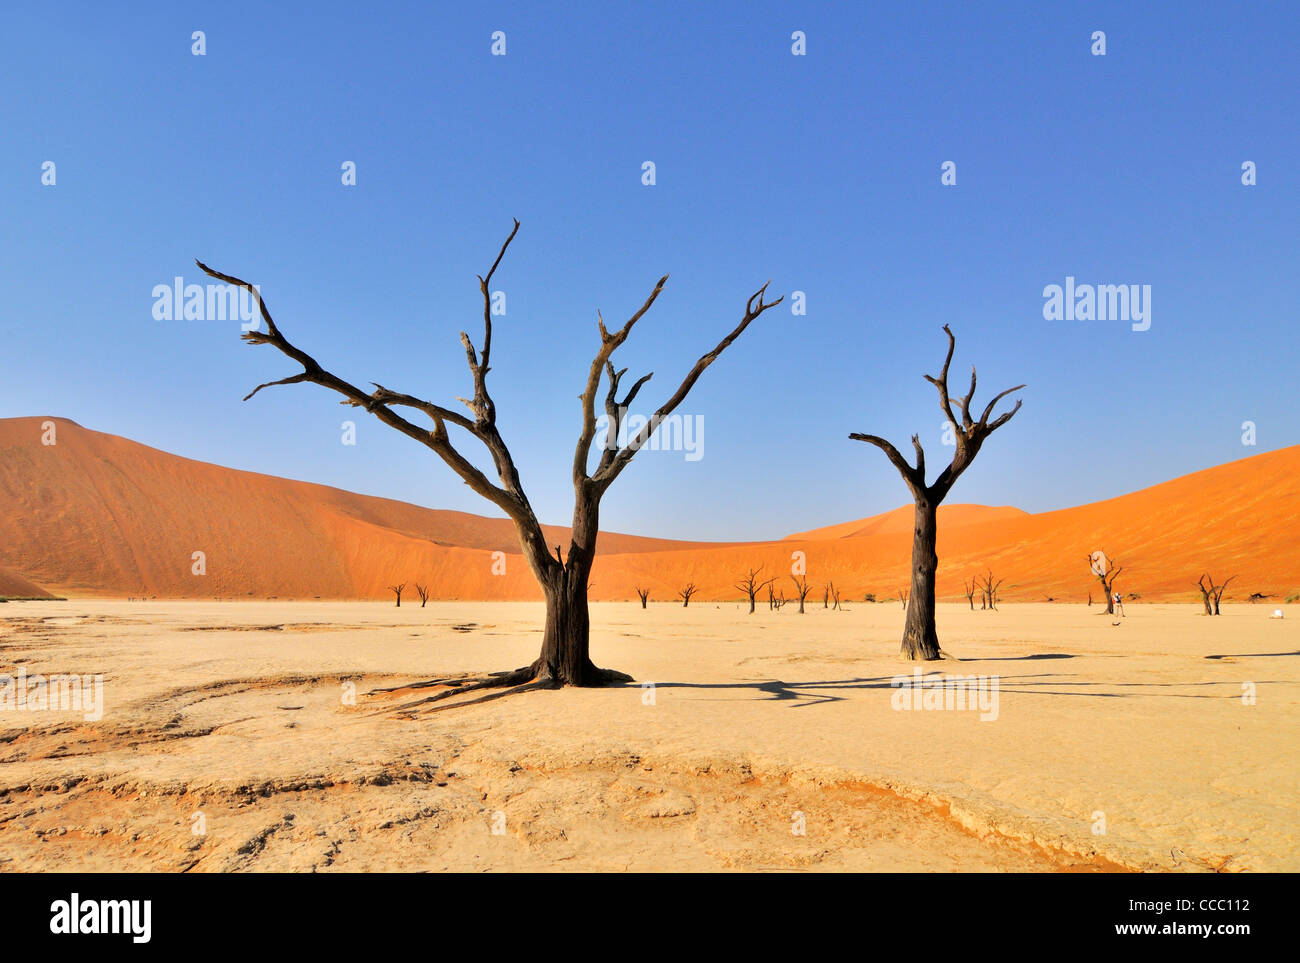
1211, 596
423, 592
920, 638
564, 658
397, 590
1106, 571
826, 596
644, 594
835, 597
685, 593
969, 589
751, 586
801, 586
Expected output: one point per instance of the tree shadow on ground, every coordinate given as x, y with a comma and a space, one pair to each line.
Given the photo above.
1252, 655
825, 691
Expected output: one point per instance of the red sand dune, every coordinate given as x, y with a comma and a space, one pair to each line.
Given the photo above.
96, 514
14, 586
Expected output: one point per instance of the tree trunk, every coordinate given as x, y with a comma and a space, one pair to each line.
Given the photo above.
1110, 598
565, 658
920, 640
751, 605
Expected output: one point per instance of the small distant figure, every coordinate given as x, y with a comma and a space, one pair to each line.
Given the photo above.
1119, 604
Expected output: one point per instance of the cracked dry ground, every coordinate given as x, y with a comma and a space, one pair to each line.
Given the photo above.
276, 772
131, 797
229, 717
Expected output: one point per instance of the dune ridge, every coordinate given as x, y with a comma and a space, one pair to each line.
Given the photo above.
100, 515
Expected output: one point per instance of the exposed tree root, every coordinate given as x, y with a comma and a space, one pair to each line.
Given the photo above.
525, 679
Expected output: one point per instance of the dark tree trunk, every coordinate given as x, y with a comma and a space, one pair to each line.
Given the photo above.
1110, 599
565, 658
920, 640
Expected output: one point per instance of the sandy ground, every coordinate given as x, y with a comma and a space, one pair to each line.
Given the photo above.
227, 743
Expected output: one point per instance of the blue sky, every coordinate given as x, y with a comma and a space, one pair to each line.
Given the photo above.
821, 172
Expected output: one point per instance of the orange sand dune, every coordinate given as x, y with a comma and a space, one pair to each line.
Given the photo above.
14, 586
899, 522
96, 514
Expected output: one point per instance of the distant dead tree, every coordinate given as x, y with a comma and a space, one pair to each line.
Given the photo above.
751, 586
989, 588
1207, 598
685, 593
826, 596
902, 598
771, 597
835, 597
1259, 596
969, 589
397, 590
1212, 594
801, 586
564, 658
920, 637
1106, 571
423, 592
778, 603
645, 595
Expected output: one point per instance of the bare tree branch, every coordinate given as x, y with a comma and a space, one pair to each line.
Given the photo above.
754, 307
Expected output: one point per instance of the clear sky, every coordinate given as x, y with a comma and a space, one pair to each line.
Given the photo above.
821, 172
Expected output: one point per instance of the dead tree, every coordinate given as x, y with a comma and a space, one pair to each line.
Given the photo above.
685, 593
969, 589
835, 597
989, 590
801, 586
902, 599
826, 596
1211, 596
423, 592
751, 586
920, 638
1206, 595
564, 658
778, 603
645, 595
1106, 571
397, 590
